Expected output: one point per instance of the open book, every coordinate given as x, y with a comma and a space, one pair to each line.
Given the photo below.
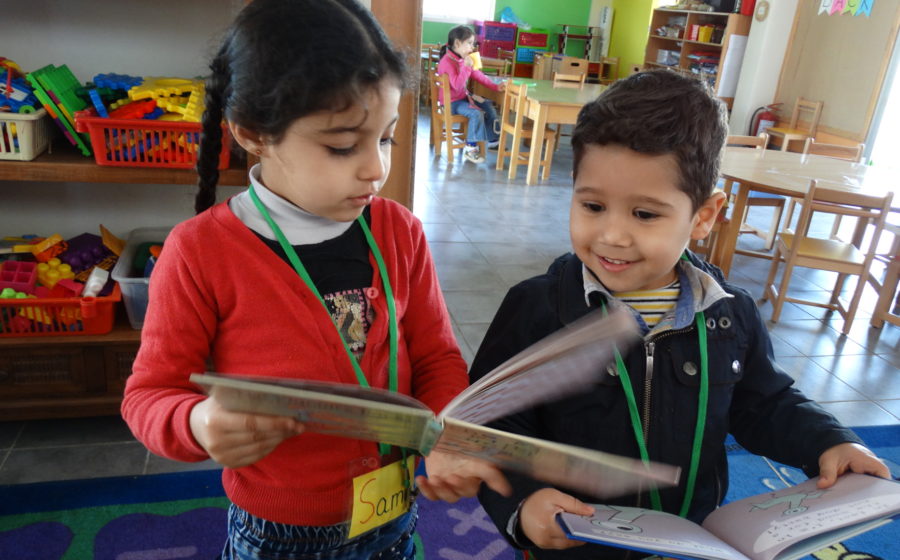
782, 525
568, 361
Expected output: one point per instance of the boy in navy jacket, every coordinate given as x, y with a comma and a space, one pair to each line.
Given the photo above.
646, 159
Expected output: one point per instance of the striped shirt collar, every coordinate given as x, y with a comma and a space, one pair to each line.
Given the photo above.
699, 291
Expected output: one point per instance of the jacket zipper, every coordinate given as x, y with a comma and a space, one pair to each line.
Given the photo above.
649, 350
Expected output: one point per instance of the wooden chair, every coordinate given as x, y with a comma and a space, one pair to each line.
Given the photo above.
568, 80
445, 126
510, 57
754, 198
849, 153
612, 64
514, 128
888, 306
431, 56
811, 110
799, 249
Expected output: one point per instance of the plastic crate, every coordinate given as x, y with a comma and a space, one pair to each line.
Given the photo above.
144, 142
24, 137
533, 38
135, 289
58, 316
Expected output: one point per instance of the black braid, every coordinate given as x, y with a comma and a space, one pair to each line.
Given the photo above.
211, 138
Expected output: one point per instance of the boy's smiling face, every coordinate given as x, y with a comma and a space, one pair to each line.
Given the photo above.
629, 221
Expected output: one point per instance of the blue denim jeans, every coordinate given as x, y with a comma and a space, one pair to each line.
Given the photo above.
253, 538
481, 119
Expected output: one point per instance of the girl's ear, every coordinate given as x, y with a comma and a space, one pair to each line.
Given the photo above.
706, 215
248, 139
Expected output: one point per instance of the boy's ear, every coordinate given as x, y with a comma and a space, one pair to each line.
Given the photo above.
705, 217
248, 139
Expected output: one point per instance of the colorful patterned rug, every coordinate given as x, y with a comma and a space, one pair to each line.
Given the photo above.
182, 515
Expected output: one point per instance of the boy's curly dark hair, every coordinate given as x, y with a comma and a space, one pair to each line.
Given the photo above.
284, 59
659, 112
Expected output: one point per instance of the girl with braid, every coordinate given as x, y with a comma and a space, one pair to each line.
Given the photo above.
262, 284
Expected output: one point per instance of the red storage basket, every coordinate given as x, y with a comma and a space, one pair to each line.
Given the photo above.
145, 142
58, 316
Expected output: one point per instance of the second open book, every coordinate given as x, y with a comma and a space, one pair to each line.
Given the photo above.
564, 363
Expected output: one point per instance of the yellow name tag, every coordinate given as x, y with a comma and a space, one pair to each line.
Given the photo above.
380, 496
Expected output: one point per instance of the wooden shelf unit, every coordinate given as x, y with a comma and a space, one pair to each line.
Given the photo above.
733, 24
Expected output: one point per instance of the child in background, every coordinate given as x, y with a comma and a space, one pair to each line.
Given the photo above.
306, 275
646, 159
456, 63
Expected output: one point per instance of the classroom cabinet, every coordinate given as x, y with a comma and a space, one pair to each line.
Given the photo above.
707, 45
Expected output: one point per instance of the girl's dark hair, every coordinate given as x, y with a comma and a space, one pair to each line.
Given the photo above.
659, 112
285, 59
458, 33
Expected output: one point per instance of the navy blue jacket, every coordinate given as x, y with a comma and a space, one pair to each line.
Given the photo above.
750, 396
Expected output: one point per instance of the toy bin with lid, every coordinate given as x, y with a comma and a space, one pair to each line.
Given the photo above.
129, 271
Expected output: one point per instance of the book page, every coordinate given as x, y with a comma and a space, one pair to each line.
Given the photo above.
561, 364
329, 408
647, 530
763, 526
593, 472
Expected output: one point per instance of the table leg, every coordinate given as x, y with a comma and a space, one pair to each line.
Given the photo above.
728, 237
537, 140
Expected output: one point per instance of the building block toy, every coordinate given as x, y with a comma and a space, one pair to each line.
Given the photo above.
55, 88
117, 81
97, 102
16, 94
133, 110
84, 252
68, 287
52, 271
20, 276
156, 87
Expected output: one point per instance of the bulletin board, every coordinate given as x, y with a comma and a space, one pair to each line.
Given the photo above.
840, 60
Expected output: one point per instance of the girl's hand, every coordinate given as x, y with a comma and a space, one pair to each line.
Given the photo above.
452, 476
537, 518
844, 457
469, 62
238, 439
478, 98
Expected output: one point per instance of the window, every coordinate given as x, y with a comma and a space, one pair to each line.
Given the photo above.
457, 11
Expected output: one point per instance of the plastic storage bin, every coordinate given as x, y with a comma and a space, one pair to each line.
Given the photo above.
145, 143
135, 288
24, 137
58, 316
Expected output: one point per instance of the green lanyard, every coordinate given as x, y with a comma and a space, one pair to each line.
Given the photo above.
701, 417
388, 294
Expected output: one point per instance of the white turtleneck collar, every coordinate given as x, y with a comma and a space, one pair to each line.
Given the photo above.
299, 226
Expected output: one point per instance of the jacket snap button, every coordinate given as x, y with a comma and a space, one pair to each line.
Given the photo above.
736, 366
689, 368
710, 323
611, 369
372, 292
725, 322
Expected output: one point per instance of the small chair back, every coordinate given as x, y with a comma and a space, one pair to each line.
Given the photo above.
759, 141
576, 66
510, 57
810, 111
568, 80
849, 153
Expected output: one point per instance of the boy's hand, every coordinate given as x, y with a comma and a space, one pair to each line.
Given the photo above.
537, 518
844, 457
238, 439
452, 476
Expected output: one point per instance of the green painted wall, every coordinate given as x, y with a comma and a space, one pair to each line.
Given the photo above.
631, 24
542, 14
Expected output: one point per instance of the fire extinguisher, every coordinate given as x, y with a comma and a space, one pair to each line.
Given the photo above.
763, 118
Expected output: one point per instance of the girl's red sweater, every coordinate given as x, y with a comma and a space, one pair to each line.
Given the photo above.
218, 292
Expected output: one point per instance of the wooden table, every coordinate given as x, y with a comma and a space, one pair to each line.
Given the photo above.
552, 105
789, 174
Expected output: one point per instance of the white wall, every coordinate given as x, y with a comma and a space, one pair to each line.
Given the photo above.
139, 37
763, 59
